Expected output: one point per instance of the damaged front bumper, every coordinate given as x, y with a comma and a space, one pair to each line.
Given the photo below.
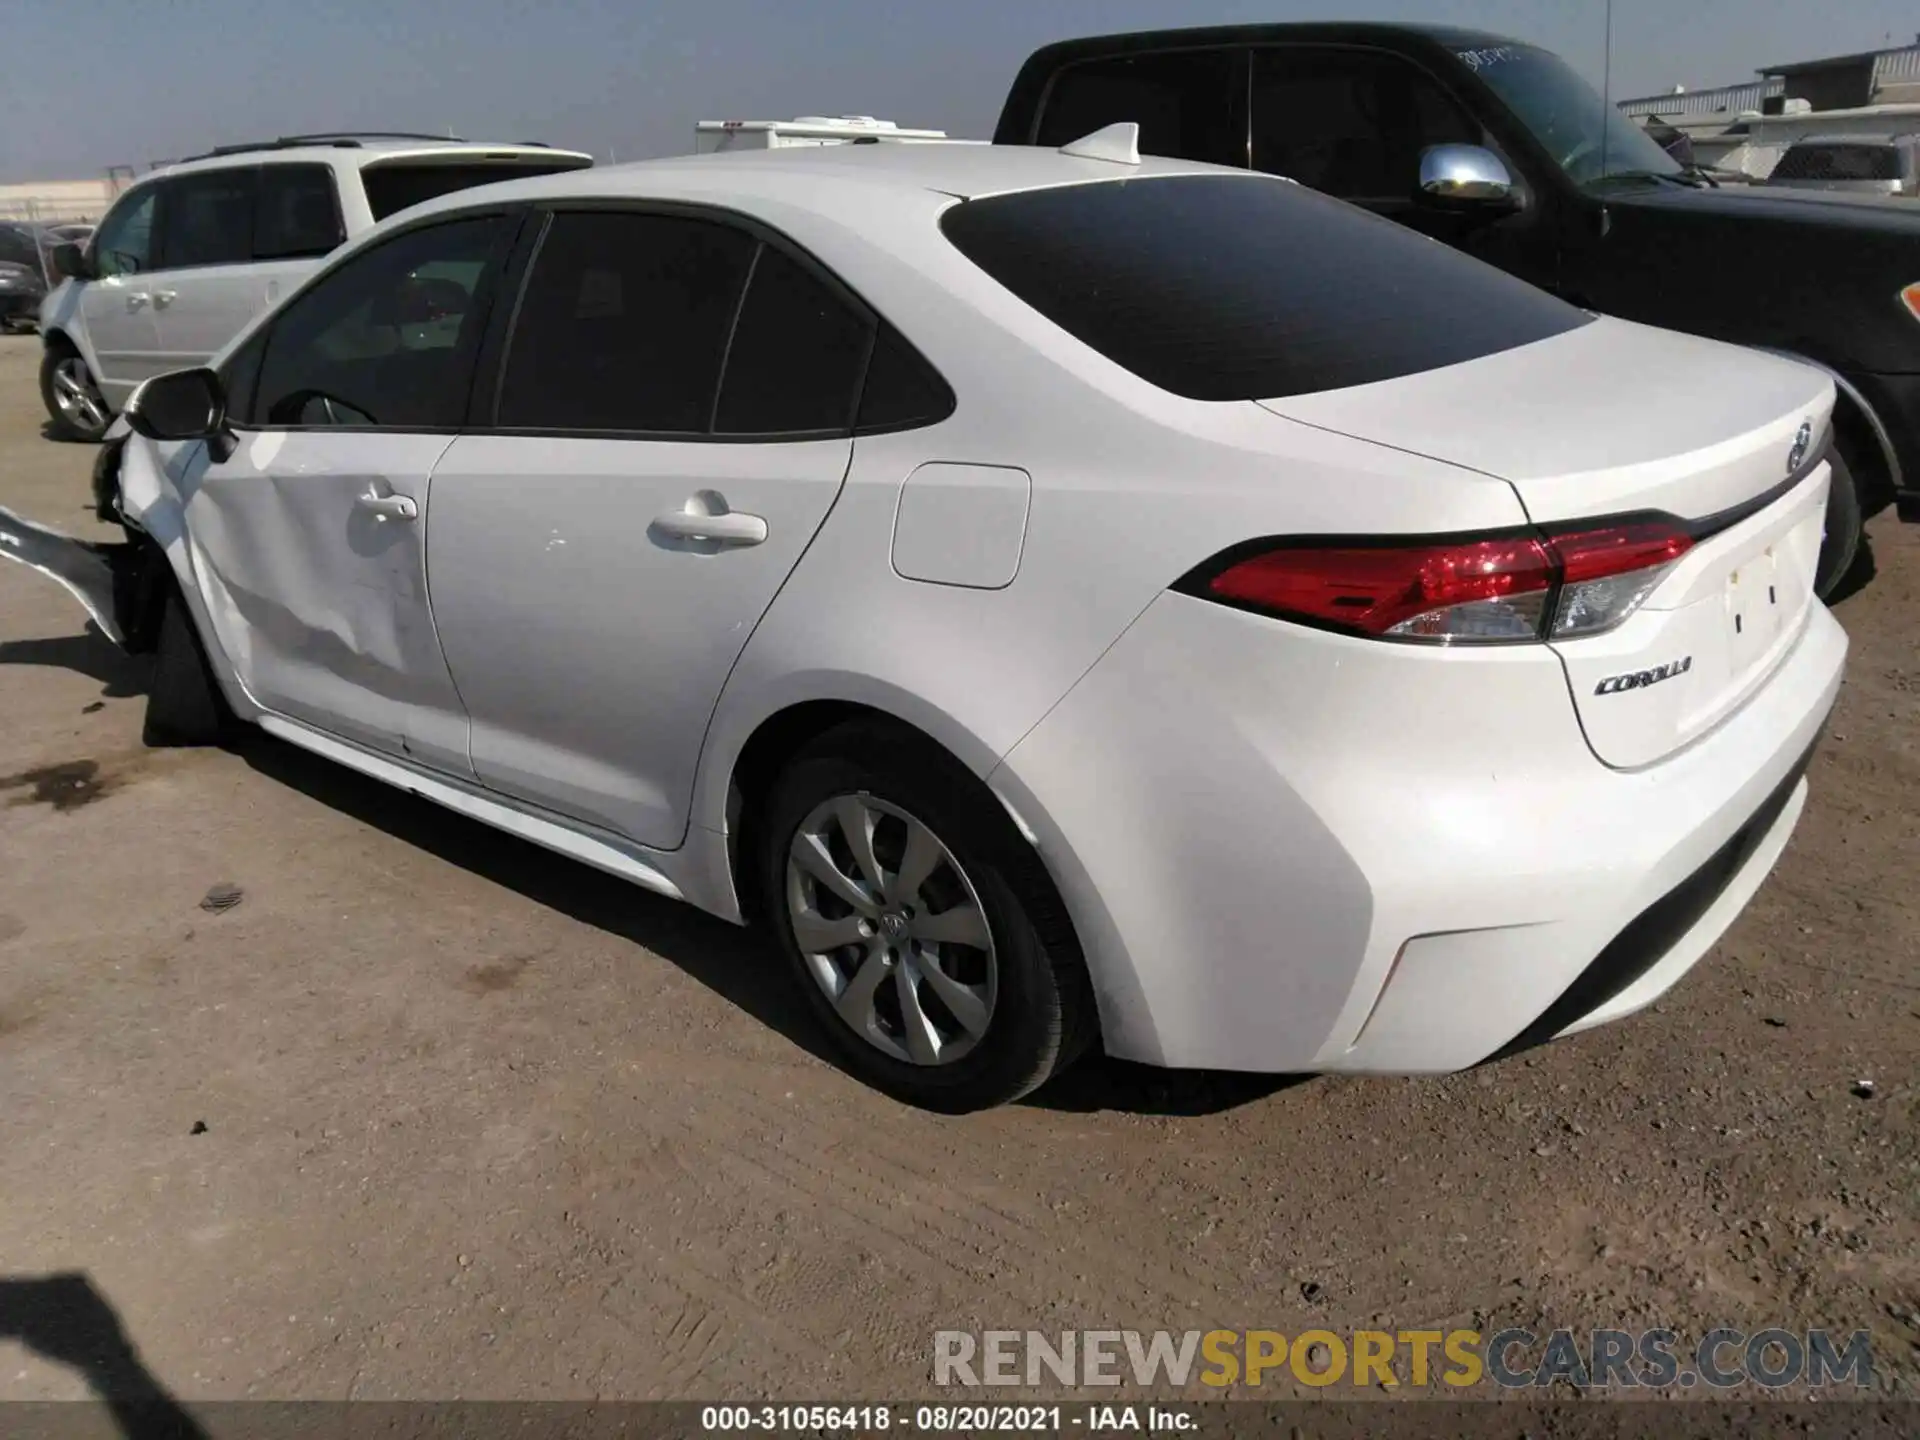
119, 583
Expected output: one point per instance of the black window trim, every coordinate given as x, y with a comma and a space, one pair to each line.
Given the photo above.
333, 191
509, 270
488, 287
486, 419
163, 219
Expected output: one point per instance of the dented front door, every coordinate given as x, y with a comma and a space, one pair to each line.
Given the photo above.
309, 548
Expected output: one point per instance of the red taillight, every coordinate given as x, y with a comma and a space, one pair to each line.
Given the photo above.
1618, 549
1478, 590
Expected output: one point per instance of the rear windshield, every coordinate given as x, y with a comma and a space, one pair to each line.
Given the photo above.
1227, 287
1838, 162
395, 187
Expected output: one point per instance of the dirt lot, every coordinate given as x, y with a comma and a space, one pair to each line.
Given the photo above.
432, 1113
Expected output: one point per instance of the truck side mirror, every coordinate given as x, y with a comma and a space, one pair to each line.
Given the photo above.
1465, 176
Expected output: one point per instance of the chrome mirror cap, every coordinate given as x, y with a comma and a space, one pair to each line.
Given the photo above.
1464, 172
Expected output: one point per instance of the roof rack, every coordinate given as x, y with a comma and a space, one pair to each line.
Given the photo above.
338, 139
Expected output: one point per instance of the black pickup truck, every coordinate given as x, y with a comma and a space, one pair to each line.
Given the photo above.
1501, 149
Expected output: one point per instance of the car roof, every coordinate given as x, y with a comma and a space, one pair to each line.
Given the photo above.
354, 152
831, 175
1452, 37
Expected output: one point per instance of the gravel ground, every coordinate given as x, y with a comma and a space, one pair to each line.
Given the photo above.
432, 1113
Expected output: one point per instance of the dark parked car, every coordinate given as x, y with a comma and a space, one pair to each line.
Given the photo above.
1499, 148
23, 283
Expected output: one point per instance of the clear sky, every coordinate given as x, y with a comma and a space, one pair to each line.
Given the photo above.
92, 83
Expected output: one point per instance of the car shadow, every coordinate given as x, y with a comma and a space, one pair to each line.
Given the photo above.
65, 1319
121, 675
739, 965
1100, 1082
736, 964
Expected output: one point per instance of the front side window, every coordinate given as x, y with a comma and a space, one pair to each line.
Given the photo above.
1187, 103
296, 213
1588, 138
207, 219
1231, 287
123, 245
1352, 123
388, 339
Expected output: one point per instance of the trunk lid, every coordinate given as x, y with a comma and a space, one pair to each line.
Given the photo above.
1613, 419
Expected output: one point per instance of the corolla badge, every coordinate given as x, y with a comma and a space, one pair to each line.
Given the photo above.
1801, 441
1640, 679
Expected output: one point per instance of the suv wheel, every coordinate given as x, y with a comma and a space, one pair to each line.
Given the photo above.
921, 928
73, 400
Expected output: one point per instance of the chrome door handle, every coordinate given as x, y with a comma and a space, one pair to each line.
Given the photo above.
164, 298
388, 507
136, 300
731, 528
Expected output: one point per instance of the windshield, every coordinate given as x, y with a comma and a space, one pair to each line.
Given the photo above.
1587, 137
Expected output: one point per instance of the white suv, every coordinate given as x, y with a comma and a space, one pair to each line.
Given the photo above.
190, 254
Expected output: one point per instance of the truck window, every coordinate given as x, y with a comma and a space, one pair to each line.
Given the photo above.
1237, 287
1186, 103
1351, 123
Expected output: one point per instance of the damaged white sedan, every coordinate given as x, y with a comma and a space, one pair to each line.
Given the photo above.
1071, 599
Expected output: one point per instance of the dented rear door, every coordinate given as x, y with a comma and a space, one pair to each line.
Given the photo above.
309, 547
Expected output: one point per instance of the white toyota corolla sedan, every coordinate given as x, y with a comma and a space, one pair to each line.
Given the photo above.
1070, 599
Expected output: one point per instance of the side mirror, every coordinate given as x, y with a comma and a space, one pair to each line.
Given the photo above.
182, 405
70, 261
1465, 175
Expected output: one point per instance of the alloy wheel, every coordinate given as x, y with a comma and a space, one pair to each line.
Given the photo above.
80, 405
891, 929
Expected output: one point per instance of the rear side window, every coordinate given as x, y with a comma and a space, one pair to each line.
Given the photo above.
1189, 104
1838, 162
395, 186
902, 389
624, 324
206, 218
1242, 288
796, 357
296, 213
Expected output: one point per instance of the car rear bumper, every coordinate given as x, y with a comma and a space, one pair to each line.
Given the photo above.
1287, 850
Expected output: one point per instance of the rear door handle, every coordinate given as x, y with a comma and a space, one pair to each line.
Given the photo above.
731, 528
164, 298
388, 507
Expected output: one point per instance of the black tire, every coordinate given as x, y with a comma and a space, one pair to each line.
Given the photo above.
184, 703
1042, 1018
1845, 529
64, 427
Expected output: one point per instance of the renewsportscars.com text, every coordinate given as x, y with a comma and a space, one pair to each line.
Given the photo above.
1458, 1359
